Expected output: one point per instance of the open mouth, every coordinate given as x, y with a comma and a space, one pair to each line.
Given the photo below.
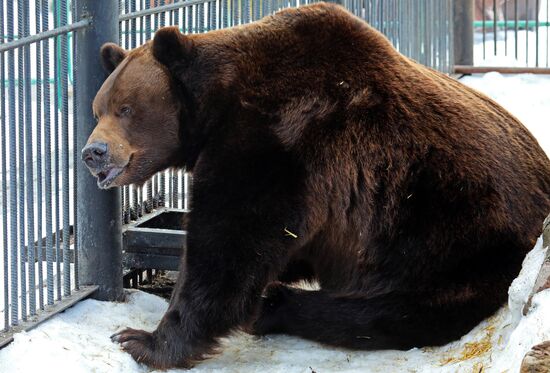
105, 178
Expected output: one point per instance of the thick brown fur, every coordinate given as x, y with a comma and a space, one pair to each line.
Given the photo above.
320, 153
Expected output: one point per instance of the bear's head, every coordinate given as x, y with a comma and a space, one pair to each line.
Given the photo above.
139, 112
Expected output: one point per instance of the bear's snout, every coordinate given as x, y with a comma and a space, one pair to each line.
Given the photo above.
98, 159
95, 155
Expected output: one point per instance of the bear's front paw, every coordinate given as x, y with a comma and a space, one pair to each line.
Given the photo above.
145, 349
137, 343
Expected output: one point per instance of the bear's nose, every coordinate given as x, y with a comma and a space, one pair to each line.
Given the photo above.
94, 155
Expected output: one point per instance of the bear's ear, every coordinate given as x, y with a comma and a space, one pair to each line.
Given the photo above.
170, 45
111, 56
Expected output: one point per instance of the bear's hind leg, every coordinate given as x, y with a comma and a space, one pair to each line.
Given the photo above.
387, 321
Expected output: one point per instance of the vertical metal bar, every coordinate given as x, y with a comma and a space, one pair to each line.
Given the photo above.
148, 36
187, 191
147, 22
440, 35
451, 37
495, 19
170, 202
5, 191
526, 32
401, 24
148, 203
427, 44
435, 19
30, 218
419, 29
505, 6
48, 155
126, 25
463, 31
65, 152
190, 191
155, 193
483, 25
176, 17
230, 12
175, 189
201, 17
236, 12
447, 41
269, 6
516, 27
162, 187
189, 15
160, 199
56, 146
156, 16
133, 27
382, 14
13, 172
126, 189
162, 15
212, 16
256, 10
120, 28
99, 234
76, 154
21, 159
39, 175
140, 5
410, 30
265, 7
537, 33
125, 204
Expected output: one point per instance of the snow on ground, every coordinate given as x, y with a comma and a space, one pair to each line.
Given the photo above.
526, 96
78, 341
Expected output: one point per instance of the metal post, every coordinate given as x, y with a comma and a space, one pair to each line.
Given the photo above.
463, 31
98, 211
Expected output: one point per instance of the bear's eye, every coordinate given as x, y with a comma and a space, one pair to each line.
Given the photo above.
125, 110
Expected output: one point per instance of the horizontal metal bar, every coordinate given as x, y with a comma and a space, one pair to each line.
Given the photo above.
141, 239
161, 9
462, 69
149, 216
175, 217
490, 24
45, 35
161, 262
49, 312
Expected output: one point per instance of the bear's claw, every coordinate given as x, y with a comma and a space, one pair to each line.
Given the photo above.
144, 348
137, 343
129, 334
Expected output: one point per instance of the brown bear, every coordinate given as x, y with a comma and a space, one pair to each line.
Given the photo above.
320, 153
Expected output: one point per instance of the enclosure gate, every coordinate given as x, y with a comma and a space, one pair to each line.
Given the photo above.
62, 236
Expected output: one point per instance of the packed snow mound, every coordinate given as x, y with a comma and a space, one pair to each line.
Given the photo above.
78, 341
